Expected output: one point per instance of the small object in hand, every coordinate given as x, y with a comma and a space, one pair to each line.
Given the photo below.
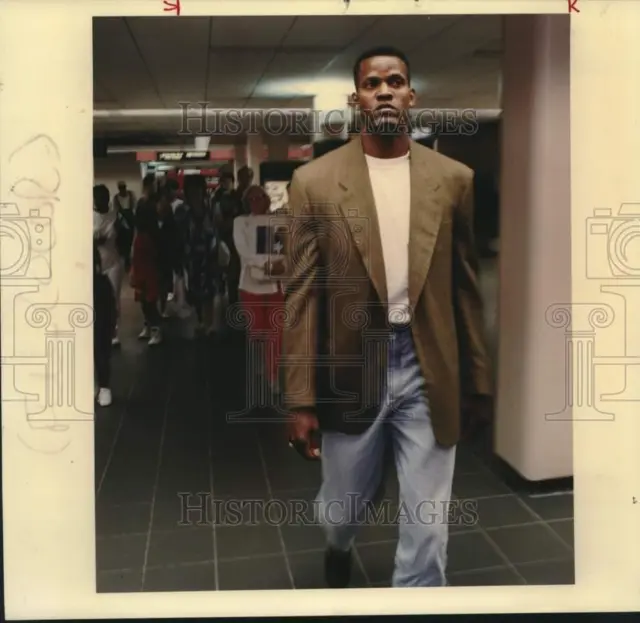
277, 267
300, 447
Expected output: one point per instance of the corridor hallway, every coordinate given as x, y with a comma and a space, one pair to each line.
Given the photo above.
166, 433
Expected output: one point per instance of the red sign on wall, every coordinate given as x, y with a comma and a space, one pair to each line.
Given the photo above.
145, 156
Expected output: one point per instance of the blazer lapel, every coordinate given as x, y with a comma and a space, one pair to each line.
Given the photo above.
425, 218
357, 206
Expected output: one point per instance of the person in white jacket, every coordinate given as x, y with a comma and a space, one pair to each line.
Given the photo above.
105, 235
257, 235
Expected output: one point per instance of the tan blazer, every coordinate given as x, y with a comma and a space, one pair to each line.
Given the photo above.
336, 328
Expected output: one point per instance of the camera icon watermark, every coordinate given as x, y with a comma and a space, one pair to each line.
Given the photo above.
613, 243
349, 231
25, 243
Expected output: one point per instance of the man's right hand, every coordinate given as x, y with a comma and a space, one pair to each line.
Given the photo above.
301, 427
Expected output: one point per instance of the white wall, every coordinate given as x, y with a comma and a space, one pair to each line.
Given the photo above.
117, 167
535, 247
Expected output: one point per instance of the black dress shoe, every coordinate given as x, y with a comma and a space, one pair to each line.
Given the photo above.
337, 568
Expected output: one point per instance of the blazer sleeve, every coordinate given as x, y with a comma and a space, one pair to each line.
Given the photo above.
301, 290
475, 367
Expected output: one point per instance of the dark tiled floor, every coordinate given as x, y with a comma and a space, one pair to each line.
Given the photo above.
166, 436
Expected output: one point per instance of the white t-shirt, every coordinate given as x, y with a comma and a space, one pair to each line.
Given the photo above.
104, 226
126, 202
176, 203
391, 185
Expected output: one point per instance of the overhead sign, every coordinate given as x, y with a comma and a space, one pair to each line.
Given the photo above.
180, 156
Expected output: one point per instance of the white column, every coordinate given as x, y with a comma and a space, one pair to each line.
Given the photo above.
533, 424
239, 157
278, 146
331, 108
255, 154
201, 143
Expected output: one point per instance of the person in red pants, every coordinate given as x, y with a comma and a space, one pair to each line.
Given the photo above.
257, 238
145, 279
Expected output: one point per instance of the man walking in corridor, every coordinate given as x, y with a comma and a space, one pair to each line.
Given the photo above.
384, 337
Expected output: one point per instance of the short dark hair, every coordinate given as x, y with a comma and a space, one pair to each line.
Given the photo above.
173, 184
148, 180
379, 51
101, 194
163, 194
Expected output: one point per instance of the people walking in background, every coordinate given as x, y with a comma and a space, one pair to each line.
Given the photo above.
144, 271
180, 212
105, 315
245, 179
168, 253
201, 261
124, 204
173, 193
105, 235
149, 187
227, 205
258, 246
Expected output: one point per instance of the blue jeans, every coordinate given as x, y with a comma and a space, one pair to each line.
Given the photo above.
352, 470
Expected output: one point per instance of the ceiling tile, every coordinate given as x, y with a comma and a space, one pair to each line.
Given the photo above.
117, 66
249, 31
332, 31
235, 75
406, 32
175, 54
269, 61
459, 41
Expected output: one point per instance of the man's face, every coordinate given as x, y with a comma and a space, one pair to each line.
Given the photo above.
384, 95
122, 189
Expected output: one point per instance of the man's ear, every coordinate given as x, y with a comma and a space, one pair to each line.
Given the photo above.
414, 98
353, 100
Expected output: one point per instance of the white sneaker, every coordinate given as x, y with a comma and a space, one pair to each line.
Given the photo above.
145, 334
156, 337
104, 397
